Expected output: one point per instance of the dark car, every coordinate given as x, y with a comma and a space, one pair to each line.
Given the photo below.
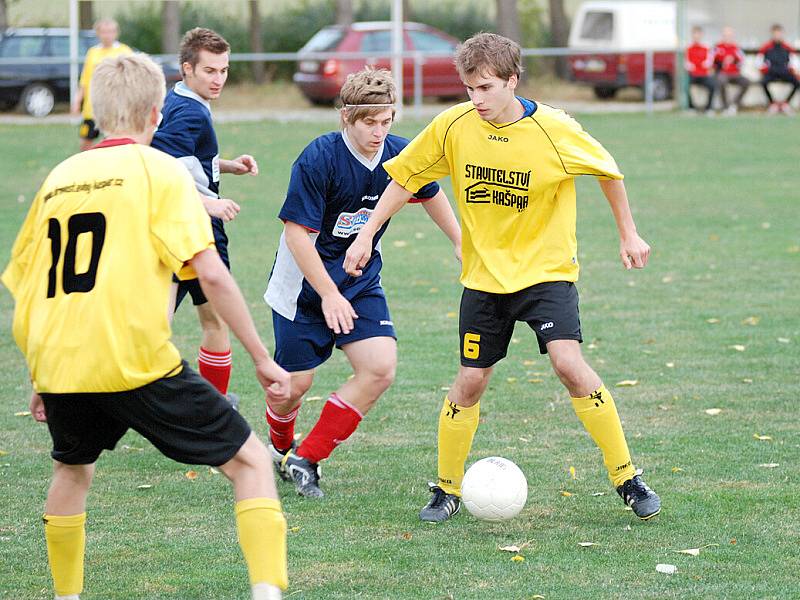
321, 80
37, 86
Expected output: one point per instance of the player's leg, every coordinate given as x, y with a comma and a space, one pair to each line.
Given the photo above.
281, 417
767, 79
710, 83
744, 84
485, 330
214, 360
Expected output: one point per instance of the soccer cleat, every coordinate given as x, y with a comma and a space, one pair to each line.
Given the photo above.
441, 506
233, 400
635, 493
304, 473
265, 591
277, 460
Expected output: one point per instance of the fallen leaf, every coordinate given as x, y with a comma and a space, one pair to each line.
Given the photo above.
3, 453
511, 379
751, 321
514, 340
407, 536
511, 548
666, 569
587, 544
713, 237
537, 597
747, 380
628, 383
676, 470
591, 346
738, 347
399, 243
518, 558
712, 320
445, 388
294, 529
566, 494
689, 551
769, 465
297, 436
213, 471
313, 398
733, 541
23, 413
670, 365
572, 472
666, 279
783, 340
713, 411
765, 225
528, 363
793, 249
191, 475
451, 315
598, 494
144, 486
419, 235
763, 438
524, 439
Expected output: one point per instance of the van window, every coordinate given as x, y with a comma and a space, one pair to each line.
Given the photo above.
598, 26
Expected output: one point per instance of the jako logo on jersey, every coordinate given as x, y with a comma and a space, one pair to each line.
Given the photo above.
548, 325
351, 223
497, 138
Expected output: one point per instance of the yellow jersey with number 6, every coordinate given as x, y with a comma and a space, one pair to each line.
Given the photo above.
91, 269
515, 190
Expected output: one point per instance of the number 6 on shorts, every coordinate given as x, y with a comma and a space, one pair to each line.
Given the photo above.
472, 347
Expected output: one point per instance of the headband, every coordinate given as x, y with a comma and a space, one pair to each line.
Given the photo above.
369, 105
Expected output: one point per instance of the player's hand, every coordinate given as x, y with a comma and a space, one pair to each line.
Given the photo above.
37, 408
357, 256
634, 252
277, 382
222, 208
244, 165
338, 312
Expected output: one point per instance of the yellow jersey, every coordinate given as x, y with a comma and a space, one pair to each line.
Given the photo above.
515, 190
91, 268
94, 56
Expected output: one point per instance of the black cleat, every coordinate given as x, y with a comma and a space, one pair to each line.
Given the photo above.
233, 400
277, 460
441, 506
635, 493
304, 473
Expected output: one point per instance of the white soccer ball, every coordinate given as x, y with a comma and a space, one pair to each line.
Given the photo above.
494, 489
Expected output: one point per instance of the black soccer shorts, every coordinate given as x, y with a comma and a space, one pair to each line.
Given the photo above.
192, 286
184, 416
486, 321
88, 130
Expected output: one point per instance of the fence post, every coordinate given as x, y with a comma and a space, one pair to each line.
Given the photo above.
418, 61
648, 82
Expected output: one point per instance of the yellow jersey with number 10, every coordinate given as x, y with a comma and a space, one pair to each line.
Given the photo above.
92, 266
515, 190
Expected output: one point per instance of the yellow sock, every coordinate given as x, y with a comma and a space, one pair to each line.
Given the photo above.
66, 542
598, 413
262, 537
457, 426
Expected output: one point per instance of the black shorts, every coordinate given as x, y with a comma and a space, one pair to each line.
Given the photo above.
183, 416
487, 320
88, 130
192, 286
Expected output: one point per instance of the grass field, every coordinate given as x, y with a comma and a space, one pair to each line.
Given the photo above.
718, 202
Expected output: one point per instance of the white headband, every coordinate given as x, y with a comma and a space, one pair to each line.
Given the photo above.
368, 105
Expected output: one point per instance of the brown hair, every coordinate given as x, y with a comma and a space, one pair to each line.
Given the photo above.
368, 86
487, 54
198, 39
124, 90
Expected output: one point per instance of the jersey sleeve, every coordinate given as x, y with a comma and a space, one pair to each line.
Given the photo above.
426, 193
22, 251
580, 153
308, 188
88, 67
179, 225
423, 161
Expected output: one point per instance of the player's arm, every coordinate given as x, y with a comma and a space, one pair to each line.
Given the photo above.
338, 312
441, 213
633, 250
75, 109
221, 290
394, 198
222, 208
242, 165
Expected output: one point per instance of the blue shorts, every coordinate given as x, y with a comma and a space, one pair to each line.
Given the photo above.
192, 286
302, 346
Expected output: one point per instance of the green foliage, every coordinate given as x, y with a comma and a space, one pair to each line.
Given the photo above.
461, 19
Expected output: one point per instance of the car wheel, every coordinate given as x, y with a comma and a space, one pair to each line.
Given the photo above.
662, 87
38, 100
605, 92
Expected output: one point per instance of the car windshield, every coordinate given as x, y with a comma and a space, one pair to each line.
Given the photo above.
598, 26
428, 42
324, 40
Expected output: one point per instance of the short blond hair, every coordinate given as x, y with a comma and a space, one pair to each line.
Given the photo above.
124, 90
105, 21
368, 86
489, 54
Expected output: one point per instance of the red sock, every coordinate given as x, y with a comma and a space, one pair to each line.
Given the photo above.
216, 368
281, 428
337, 422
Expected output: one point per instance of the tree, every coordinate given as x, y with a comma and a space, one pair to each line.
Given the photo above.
508, 19
85, 14
256, 41
344, 12
559, 35
170, 26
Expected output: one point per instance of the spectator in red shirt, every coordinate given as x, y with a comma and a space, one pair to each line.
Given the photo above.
699, 63
728, 59
778, 62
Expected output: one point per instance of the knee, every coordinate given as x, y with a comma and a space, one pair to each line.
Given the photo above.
79, 476
381, 376
470, 385
567, 367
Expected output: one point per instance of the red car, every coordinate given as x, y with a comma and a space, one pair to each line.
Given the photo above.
321, 79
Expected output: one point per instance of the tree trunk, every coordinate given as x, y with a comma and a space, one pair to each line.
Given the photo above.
408, 14
508, 19
3, 14
344, 12
559, 34
256, 41
170, 27
85, 14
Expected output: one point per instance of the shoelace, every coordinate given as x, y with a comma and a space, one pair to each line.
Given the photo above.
636, 488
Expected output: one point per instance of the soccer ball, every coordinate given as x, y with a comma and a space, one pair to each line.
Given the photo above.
494, 489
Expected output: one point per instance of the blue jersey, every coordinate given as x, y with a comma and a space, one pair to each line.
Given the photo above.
187, 133
332, 192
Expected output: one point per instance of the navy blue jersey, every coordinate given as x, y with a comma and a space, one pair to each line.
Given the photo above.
187, 133
332, 192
